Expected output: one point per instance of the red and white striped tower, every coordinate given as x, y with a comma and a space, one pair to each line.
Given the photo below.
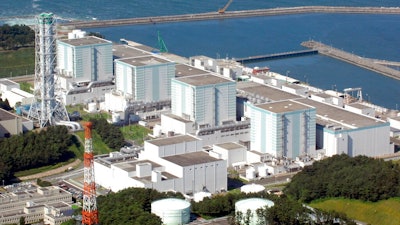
89, 211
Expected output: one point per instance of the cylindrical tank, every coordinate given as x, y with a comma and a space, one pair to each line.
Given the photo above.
251, 205
252, 188
172, 211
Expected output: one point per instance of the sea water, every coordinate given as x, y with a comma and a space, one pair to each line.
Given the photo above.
373, 36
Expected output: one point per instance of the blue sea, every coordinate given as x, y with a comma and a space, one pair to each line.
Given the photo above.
374, 36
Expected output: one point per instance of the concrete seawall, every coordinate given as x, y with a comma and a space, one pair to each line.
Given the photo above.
233, 14
366, 63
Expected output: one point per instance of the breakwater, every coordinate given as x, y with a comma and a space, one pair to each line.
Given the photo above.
233, 14
363, 62
252, 59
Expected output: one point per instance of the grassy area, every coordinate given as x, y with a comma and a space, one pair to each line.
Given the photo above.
25, 86
98, 145
135, 132
16, 63
375, 213
85, 115
42, 169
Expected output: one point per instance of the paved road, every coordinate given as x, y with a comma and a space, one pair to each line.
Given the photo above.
51, 172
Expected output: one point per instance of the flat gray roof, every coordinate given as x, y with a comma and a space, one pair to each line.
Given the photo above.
126, 51
359, 106
89, 40
322, 95
172, 140
7, 82
229, 145
283, 106
294, 86
144, 61
339, 115
131, 165
178, 118
189, 159
5, 115
205, 79
183, 70
268, 92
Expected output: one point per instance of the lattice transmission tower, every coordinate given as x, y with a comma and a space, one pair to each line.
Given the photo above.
47, 108
89, 211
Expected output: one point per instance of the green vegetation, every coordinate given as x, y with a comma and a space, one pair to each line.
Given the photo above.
99, 147
375, 213
17, 63
43, 183
34, 149
17, 36
41, 169
109, 133
359, 177
25, 86
135, 132
130, 206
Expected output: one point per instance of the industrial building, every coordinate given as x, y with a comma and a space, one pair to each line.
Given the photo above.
146, 78
283, 129
85, 69
11, 124
337, 130
49, 204
208, 100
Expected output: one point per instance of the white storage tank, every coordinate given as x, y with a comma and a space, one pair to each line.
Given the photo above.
252, 204
172, 211
252, 188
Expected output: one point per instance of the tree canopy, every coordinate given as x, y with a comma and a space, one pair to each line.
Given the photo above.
16, 36
358, 177
34, 149
130, 206
109, 133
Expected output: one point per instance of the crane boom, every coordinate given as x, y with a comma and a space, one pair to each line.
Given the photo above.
222, 10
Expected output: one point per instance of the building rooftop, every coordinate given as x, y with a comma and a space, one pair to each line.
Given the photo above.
89, 40
172, 140
7, 82
359, 106
182, 70
271, 93
126, 51
322, 95
144, 61
5, 115
181, 119
193, 158
229, 145
283, 106
131, 165
329, 113
202, 80
294, 86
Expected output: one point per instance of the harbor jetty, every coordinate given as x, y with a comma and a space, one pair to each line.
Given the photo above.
233, 14
367, 63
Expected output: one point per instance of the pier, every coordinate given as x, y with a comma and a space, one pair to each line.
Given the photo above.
367, 63
258, 58
233, 14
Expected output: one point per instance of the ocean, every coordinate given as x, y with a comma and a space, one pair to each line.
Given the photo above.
373, 36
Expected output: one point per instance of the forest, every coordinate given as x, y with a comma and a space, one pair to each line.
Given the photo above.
34, 149
110, 134
16, 36
357, 177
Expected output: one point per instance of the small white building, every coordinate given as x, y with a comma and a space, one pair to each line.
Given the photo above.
7, 85
360, 109
232, 152
176, 124
16, 95
12, 124
170, 146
